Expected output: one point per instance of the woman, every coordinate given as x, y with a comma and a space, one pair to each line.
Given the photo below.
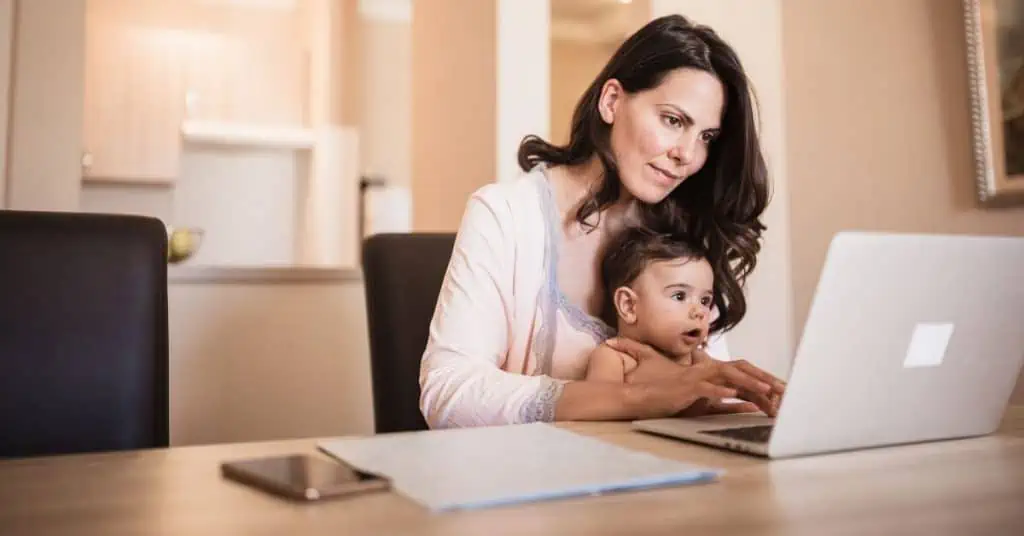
665, 137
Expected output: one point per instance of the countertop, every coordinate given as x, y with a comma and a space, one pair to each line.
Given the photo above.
199, 274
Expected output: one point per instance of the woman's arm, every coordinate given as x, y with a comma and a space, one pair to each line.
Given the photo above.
461, 381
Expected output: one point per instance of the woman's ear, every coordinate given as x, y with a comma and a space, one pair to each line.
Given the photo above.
610, 99
625, 304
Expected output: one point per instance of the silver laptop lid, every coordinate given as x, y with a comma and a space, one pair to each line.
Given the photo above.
909, 338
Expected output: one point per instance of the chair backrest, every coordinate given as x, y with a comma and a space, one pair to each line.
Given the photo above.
402, 274
83, 333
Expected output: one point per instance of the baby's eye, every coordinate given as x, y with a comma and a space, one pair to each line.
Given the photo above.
706, 301
679, 296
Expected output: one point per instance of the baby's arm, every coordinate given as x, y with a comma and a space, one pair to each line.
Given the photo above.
608, 365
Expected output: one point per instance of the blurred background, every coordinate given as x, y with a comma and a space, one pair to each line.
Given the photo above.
288, 130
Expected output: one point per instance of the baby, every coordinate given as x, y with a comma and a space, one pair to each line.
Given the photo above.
661, 293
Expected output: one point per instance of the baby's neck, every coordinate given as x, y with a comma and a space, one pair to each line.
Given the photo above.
631, 332
683, 358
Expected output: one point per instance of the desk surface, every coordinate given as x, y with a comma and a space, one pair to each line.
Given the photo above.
972, 486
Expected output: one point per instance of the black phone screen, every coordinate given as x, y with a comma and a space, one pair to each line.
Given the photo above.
300, 472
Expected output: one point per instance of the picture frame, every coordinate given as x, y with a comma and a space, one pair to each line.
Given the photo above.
995, 58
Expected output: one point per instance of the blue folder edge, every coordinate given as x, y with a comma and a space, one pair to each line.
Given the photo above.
663, 481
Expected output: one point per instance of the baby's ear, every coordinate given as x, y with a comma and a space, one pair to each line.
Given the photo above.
625, 304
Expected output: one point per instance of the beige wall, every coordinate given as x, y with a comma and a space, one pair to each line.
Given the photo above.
385, 128
246, 201
878, 129
522, 81
6, 40
754, 29
257, 361
453, 108
574, 65
44, 165
480, 83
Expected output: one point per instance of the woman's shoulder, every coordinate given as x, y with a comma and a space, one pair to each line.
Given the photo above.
512, 211
518, 195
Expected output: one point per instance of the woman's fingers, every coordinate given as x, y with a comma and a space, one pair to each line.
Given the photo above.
710, 390
747, 387
737, 377
719, 407
762, 402
776, 384
634, 349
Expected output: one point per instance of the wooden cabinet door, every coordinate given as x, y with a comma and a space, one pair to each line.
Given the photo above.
134, 101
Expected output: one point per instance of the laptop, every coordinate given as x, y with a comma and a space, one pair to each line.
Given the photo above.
910, 338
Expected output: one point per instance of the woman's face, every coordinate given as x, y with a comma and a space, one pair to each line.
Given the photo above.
660, 136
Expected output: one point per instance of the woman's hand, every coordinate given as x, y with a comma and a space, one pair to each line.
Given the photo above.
770, 405
668, 388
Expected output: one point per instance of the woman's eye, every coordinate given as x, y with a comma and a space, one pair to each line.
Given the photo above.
672, 121
708, 137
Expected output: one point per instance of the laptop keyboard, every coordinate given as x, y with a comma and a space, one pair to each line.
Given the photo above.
753, 434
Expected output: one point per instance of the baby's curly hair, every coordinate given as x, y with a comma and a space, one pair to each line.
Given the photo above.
635, 248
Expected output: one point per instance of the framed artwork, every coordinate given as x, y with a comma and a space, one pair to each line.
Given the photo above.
995, 57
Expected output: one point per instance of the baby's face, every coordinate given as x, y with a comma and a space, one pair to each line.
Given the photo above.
673, 304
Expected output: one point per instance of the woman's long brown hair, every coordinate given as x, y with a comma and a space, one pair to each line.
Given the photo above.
721, 205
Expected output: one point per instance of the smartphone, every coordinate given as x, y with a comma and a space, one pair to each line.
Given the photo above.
303, 477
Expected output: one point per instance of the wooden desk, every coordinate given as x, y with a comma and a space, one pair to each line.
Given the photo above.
973, 486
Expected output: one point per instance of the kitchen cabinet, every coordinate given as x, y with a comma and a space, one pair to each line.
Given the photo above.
134, 104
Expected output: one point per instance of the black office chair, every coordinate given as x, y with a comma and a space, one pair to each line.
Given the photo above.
402, 274
83, 333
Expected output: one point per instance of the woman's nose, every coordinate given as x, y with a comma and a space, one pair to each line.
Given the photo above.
683, 153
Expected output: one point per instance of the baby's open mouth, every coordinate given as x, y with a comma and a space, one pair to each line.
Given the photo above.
695, 332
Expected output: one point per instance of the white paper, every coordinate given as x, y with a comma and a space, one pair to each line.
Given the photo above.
492, 466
